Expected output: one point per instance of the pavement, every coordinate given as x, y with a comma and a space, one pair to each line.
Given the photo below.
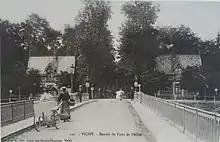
162, 130
107, 121
25, 125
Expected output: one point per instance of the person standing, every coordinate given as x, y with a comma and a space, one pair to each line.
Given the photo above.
132, 94
65, 98
80, 93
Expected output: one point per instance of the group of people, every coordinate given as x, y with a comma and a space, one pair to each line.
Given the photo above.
63, 98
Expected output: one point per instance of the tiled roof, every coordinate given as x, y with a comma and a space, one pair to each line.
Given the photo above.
40, 63
166, 63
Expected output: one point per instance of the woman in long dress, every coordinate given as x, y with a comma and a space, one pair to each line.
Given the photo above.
65, 109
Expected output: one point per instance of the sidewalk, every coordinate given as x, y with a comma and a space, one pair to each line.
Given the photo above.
25, 125
161, 129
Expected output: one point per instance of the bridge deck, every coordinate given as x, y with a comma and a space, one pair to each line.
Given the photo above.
116, 120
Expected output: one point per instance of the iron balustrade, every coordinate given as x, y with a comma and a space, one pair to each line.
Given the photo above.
13, 112
196, 123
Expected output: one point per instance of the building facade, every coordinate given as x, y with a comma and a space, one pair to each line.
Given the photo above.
50, 67
173, 65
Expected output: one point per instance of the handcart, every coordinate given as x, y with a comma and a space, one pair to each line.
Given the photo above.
51, 120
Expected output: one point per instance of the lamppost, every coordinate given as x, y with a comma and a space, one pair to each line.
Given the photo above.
139, 87
72, 71
92, 89
216, 93
87, 87
99, 92
10, 91
139, 90
135, 85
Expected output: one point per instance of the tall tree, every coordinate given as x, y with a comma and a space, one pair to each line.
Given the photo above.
13, 66
95, 40
139, 44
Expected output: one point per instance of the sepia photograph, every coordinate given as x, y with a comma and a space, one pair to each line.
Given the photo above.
110, 71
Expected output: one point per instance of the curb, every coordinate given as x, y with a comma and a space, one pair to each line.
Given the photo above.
5, 138
148, 135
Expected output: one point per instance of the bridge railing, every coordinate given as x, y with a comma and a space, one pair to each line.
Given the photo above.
201, 124
13, 112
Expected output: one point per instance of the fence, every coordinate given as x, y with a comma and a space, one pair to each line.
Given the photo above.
12, 112
203, 125
16, 111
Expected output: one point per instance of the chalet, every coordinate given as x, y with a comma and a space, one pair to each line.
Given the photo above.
50, 67
173, 65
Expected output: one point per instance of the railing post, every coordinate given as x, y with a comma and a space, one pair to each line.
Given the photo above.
12, 112
24, 111
215, 129
197, 125
184, 119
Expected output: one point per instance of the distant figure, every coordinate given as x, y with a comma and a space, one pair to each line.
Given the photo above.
80, 95
30, 97
119, 94
46, 96
132, 94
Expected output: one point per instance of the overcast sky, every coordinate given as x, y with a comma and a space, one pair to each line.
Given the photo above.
202, 17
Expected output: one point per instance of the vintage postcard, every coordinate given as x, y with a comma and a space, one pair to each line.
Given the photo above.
110, 71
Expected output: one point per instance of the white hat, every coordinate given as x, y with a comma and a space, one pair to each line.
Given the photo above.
63, 88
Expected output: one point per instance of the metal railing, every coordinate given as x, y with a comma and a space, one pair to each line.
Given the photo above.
199, 124
16, 111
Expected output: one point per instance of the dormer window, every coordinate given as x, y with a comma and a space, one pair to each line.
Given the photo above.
49, 72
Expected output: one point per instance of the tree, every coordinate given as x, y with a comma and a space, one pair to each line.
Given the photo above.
95, 41
182, 38
192, 79
154, 81
138, 40
32, 82
64, 79
12, 57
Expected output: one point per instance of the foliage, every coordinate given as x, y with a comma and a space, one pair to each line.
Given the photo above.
154, 81
138, 41
95, 41
192, 79
32, 82
64, 79
182, 38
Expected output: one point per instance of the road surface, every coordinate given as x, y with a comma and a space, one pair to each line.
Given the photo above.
101, 121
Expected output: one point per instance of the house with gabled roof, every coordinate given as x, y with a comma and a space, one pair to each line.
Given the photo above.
173, 65
50, 67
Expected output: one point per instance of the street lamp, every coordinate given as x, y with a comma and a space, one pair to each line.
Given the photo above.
72, 71
10, 91
139, 87
135, 85
216, 93
87, 86
92, 89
